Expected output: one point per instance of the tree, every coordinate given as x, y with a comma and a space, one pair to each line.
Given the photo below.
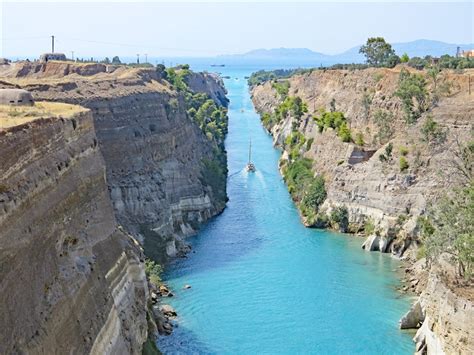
340, 217
432, 132
404, 58
106, 60
161, 71
116, 60
377, 52
453, 230
413, 94
316, 194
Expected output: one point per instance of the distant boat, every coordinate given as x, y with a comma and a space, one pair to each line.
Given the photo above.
250, 166
217, 65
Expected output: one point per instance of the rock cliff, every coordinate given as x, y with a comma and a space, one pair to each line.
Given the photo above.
81, 195
356, 176
383, 196
153, 153
72, 281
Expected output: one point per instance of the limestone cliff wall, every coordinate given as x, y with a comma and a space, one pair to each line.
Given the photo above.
153, 152
375, 189
71, 280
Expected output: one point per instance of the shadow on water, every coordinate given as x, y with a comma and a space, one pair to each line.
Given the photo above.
211, 249
183, 341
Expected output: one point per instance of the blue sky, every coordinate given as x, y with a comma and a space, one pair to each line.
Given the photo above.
204, 29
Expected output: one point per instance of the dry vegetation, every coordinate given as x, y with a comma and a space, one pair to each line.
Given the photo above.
11, 116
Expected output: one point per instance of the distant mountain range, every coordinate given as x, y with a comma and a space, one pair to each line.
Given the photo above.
305, 56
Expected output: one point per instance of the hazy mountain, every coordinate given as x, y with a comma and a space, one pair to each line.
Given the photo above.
305, 56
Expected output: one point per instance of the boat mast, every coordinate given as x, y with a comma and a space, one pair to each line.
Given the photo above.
250, 151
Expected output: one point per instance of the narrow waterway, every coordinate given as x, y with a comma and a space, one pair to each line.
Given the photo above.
262, 283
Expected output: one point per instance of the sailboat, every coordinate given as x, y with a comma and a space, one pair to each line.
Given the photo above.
250, 167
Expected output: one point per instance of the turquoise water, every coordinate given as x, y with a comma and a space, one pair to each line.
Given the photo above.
262, 283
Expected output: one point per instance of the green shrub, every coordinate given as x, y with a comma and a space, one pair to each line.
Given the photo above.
359, 139
452, 229
293, 105
369, 227
366, 102
413, 94
315, 194
309, 143
432, 132
335, 120
388, 150
421, 252
383, 120
282, 88
403, 164
344, 133
340, 217
214, 173
153, 272
404, 151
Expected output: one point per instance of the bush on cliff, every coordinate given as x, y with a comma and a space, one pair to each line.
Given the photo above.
335, 120
293, 105
213, 174
153, 272
282, 88
432, 132
307, 191
384, 119
451, 230
340, 218
413, 94
315, 194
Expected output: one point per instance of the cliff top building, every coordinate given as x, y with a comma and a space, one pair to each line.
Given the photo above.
46, 57
16, 97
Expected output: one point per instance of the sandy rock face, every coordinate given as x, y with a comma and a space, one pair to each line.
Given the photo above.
74, 191
71, 280
448, 317
373, 189
153, 153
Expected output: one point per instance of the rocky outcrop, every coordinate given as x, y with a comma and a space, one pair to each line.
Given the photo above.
210, 84
443, 313
72, 280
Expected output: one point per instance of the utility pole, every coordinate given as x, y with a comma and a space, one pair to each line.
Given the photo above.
72, 55
138, 58
52, 44
146, 58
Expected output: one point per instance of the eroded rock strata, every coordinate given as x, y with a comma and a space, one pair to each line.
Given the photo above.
72, 281
81, 195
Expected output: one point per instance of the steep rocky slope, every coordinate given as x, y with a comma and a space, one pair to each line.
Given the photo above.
369, 180
153, 154
80, 196
371, 188
72, 281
